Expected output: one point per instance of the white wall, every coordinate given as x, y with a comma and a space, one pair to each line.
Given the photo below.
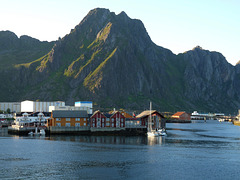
86, 105
13, 106
39, 106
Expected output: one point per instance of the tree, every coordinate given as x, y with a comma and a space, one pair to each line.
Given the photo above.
8, 111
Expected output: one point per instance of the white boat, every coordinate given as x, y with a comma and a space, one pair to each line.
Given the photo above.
41, 133
30, 133
162, 132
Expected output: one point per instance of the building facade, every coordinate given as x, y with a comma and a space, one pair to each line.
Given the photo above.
39, 106
68, 119
13, 106
158, 120
114, 120
85, 105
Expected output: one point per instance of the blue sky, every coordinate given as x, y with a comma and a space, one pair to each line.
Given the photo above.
178, 25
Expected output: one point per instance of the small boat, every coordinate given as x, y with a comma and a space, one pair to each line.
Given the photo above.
162, 132
30, 133
42, 132
152, 134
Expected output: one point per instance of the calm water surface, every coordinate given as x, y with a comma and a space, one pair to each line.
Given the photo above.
198, 150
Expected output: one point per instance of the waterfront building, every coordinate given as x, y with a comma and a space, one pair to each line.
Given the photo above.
85, 105
39, 106
99, 120
158, 120
13, 106
26, 124
65, 118
6, 116
181, 116
114, 120
117, 120
133, 123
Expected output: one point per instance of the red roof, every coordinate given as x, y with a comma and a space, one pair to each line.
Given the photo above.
178, 113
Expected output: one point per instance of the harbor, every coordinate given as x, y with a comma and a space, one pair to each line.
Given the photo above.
81, 119
187, 146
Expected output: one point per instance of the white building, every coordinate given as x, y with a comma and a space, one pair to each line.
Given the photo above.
38, 106
69, 108
85, 105
13, 106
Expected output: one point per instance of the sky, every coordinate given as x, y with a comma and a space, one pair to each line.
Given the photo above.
178, 25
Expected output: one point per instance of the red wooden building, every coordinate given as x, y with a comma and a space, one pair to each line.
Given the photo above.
157, 118
117, 120
114, 120
181, 116
98, 120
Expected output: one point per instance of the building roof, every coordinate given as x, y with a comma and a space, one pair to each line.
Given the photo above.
97, 112
147, 113
178, 113
70, 114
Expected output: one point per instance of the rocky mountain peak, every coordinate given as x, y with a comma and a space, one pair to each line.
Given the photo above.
197, 48
111, 60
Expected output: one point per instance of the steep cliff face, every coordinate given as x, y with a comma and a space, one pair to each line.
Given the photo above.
111, 60
209, 79
107, 58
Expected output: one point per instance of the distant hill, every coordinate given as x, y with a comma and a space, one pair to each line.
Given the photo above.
111, 60
14, 50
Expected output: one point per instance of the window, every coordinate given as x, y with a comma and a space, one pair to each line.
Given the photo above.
112, 124
122, 120
58, 124
67, 119
107, 119
108, 124
93, 125
58, 119
68, 124
77, 119
77, 124
102, 124
98, 124
84, 119
121, 124
84, 124
112, 119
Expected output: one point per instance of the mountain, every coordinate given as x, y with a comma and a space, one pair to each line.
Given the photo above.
14, 50
111, 60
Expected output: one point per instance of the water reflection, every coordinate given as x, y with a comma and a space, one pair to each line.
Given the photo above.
3, 131
127, 140
155, 140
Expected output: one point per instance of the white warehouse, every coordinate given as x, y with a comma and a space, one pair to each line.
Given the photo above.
13, 106
85, 105
38, 106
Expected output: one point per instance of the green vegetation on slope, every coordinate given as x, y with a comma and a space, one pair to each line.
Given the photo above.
94, 78
42, 61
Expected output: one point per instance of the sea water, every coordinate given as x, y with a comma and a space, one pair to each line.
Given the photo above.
198, 150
